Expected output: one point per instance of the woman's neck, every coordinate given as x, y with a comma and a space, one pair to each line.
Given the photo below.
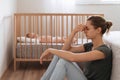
97, 42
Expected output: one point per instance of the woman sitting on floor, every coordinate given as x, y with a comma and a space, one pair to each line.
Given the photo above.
96, 56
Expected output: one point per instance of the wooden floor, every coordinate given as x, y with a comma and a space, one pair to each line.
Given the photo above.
26, 71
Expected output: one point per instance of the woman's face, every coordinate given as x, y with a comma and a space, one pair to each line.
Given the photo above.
90, 31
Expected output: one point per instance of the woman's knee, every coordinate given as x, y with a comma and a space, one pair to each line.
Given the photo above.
67, 63
56, 56
63, 61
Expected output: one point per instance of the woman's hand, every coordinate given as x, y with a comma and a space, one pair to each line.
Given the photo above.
44, 54
80, 27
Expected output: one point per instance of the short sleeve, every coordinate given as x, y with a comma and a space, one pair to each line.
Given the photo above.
88, 46
105, 50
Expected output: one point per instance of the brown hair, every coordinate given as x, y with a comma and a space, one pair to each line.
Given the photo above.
27, 35
98, 21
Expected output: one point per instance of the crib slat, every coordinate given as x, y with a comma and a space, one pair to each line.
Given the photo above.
41, 27
25, 35
31, 21
54, 25
51, 29
87, 18
58, 25
82, 35
62, 28
66, 26
36, 38
19, 24
56, 31
71, 23
76, 24
15, 40
34, 31
46, 32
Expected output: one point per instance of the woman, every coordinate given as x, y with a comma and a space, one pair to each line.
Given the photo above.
97, 57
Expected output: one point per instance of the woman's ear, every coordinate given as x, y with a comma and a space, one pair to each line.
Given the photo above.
99, 30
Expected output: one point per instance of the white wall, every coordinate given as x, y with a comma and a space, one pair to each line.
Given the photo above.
7, 8
69, 6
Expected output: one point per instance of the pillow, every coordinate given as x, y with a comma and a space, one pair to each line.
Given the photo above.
113, 39
27, 40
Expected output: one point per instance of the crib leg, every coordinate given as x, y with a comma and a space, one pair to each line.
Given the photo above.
14, 65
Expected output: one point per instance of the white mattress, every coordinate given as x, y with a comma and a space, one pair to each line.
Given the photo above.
29, 50
113, 40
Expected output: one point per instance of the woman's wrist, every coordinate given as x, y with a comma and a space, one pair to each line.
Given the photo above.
74, 32
51, 50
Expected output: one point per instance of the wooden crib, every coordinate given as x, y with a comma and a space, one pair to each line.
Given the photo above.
55, 25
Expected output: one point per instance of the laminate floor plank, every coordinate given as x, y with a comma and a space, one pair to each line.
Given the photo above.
26, 71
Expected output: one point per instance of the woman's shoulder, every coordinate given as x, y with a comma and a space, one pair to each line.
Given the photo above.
105, 49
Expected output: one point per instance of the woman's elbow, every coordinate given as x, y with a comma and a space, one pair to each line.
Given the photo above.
75, 58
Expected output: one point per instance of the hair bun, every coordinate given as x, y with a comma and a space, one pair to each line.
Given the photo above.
108, 24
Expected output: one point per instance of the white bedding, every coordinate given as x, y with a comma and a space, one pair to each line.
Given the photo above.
40, 44
113, 40
25, 39
34, 42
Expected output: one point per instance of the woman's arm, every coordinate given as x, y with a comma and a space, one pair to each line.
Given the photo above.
67, 45
79, 57
68, 41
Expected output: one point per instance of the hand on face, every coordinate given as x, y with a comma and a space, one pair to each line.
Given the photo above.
80, 27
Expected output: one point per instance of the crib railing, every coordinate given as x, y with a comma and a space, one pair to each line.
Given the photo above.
57, 25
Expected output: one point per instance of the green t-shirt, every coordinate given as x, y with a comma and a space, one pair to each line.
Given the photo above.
98, 69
